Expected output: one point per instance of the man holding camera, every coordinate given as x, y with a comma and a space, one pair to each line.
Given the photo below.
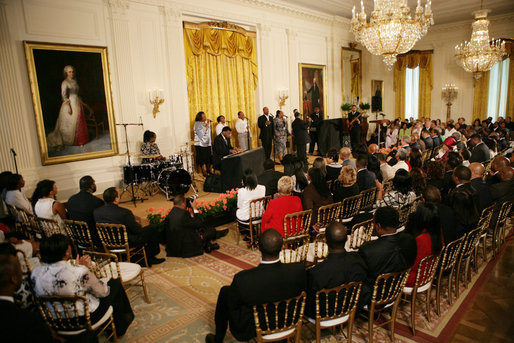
186, 234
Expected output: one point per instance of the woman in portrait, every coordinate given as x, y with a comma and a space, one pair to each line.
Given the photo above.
281, 133
70, 128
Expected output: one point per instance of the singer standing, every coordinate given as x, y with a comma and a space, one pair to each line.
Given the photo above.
314, 124
203, 143
243, 131
265, 123
281, 133
300, 137
221, 124
355, 131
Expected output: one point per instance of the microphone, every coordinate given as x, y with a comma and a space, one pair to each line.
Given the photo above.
227, 121
13, 152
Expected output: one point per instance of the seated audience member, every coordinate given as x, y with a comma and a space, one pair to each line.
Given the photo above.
15, 195
448, 145
372, 149
365, 178
480, 152
316, 194
492, 146
477, 182
284, 204
299, 180
458, 138
402, 193
374, 167
402, 156
17, 324
416, 142
45, 205
339, 268
435, 174
347, 184
333, 168
454, 160
221, 147
57, 277
385, 169
465, 211
319, 163
111, 213
418, 181
186, 233
269, 282
429, 142
466, 155
504, 190
344, 155
424, 224
269, 177
461, 177
436, 137
432, 195
405, 142
496, 164
82, 205
249, 192
392, 252
415, 159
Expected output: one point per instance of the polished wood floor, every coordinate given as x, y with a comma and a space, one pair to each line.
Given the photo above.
491, 318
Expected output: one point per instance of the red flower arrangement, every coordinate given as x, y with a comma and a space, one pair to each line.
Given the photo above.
157, 217
226, 202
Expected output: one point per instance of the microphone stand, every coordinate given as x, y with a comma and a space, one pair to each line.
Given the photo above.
134, 198
14, 159
248, 133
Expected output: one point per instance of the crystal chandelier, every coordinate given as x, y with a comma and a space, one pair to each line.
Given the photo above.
391, 29
479, 54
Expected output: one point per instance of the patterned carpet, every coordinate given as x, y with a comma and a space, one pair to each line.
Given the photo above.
184, 292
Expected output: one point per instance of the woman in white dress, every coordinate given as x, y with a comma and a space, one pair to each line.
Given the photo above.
15, 196
70, 128
45, 205
391, 136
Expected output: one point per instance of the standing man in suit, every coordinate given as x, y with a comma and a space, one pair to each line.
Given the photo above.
315, 120
392, 252
82, 205
301, 137
340, 267
355, 132
480, 152
111, 213
270, 281
365, 178
265, 123
222, 147
269, 177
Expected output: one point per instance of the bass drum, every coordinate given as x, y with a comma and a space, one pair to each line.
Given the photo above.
174, 181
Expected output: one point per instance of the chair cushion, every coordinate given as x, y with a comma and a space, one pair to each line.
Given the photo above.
331, 322
94, 326
322, 251
381, 307
129, 271
117, 250
421, 289
278, 335
347, 220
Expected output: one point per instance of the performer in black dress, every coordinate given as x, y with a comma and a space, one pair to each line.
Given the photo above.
355, 123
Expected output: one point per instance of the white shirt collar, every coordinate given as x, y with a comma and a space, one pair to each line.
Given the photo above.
460, 184
270, 262
7, 298
389, 234
361, 169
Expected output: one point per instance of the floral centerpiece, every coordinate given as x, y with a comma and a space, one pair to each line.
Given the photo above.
157, 217
225, 204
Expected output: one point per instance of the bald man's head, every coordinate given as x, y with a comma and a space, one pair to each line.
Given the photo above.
270, 244
336, 236
506, 173
373, 148
477, 170
499, 162
345, 153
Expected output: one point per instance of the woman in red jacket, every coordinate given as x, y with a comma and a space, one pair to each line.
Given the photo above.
273, 217
425, 226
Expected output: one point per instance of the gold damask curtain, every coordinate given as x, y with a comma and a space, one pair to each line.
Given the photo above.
423, 59
221, 74
509, 45
481, 96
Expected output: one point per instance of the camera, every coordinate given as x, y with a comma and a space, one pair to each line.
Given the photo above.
190, 199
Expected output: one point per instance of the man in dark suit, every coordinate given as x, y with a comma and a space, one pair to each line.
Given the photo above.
392, 252
480, 152
17, 325
82, 205
496, 164
269, 177
222, 147
504, 190
484, 191
461, 177
355, 132
111, 213
265, 123
436, 137
365, 178
454, 160
340, 267
270, 281
429, 142
432, 195
315, 120
186, 233
301, 137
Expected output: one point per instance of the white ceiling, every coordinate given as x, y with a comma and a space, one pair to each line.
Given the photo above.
445, 11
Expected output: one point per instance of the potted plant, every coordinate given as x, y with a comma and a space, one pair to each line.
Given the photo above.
221, 210
346, 107
364, 106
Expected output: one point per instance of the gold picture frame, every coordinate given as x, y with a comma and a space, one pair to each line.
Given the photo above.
309, 98
377, 95
351, 62
71, 94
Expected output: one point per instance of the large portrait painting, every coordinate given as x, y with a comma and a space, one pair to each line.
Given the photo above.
71, 93
312, 88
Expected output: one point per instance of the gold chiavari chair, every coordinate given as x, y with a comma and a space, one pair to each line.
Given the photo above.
465, 256
386, 294
279, 320
487, 168
483, 223
328, 214
404, 212
500, 227
297, 223
296, 237
115, 240
425, 156
49, 227
369, 197
106, 266
69, 316
336, 306
361, 233
423, 284
350, 208
388, 186
257, 208
26, 223
447, 263
79, 234
318, 250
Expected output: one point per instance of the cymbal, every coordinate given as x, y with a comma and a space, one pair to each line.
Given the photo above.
150, 156
190, 143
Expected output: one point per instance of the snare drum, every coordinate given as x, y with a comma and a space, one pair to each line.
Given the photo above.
158, 167
174, 181
140, 173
